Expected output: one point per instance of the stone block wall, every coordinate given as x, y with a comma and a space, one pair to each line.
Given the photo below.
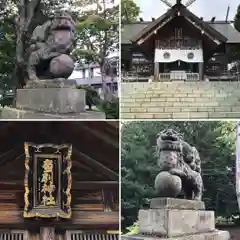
180, 100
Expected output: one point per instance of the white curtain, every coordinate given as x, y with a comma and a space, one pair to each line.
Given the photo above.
172, 55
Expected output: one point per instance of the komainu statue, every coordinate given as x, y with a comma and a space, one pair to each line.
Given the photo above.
180, 167
51, 45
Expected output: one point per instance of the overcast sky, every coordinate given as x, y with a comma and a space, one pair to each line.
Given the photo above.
202, 8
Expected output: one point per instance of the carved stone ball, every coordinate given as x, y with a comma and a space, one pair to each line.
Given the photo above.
62, 66
168, 185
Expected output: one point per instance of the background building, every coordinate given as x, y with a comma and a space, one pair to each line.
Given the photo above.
90, 74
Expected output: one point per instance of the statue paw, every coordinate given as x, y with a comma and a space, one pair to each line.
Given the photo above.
197, 198
35, 80
178, 172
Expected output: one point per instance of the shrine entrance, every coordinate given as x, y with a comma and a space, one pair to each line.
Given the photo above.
178, 70
178, 58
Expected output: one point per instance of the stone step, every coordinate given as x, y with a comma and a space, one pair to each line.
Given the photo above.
216, 235
184, 91
181, 115
220, 87
175, 222
182, 99
162, 106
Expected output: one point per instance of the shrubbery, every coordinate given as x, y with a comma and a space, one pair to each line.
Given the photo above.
109, 107
92, 97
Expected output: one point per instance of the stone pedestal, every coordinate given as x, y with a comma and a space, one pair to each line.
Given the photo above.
50, 99
178, 219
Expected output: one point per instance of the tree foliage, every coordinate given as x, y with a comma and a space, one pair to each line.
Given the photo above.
18, 20
237, 19
234, 50
129, 11
97, 34
216, 144
7, 45
98, 30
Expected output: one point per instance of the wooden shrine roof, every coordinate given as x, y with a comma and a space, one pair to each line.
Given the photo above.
223, 30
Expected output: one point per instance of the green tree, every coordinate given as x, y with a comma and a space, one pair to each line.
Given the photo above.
129, 11
237, 19
7, 45
18, 20
216, 144
234, 50
98, 35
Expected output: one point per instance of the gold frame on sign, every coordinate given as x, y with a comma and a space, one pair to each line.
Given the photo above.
52, 212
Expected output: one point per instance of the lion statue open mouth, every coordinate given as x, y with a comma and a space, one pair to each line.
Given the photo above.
180, 167
51, 46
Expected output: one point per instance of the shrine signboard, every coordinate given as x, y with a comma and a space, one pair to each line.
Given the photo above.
47, 181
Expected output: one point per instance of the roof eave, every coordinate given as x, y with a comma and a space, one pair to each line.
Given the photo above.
148, 30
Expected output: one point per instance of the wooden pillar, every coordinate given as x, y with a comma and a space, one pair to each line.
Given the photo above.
61, 237
107, 201
47, 233
201, 71
156, 70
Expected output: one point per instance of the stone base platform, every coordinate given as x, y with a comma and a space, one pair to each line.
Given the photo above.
179, 219
51, 83
51, 100
175, 222
174, 203
13, 113
216, 235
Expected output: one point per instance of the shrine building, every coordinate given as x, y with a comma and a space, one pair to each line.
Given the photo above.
178, 46
180, 66
59, 181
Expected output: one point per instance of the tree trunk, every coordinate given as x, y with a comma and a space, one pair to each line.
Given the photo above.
104, 85
20, 22
27, 11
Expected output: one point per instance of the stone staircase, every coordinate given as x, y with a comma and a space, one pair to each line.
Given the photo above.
180, 100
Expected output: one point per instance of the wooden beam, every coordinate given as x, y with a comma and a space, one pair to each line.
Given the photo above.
94, 184
105, 153
12, 154
143, 39
101, 136
201, 29
113, 123
76, 185
78, 218
105, 170
80, 165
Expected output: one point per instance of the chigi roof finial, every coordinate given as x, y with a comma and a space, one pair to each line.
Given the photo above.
187, 4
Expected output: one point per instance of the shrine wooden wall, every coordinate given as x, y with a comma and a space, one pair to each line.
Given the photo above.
94, 172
